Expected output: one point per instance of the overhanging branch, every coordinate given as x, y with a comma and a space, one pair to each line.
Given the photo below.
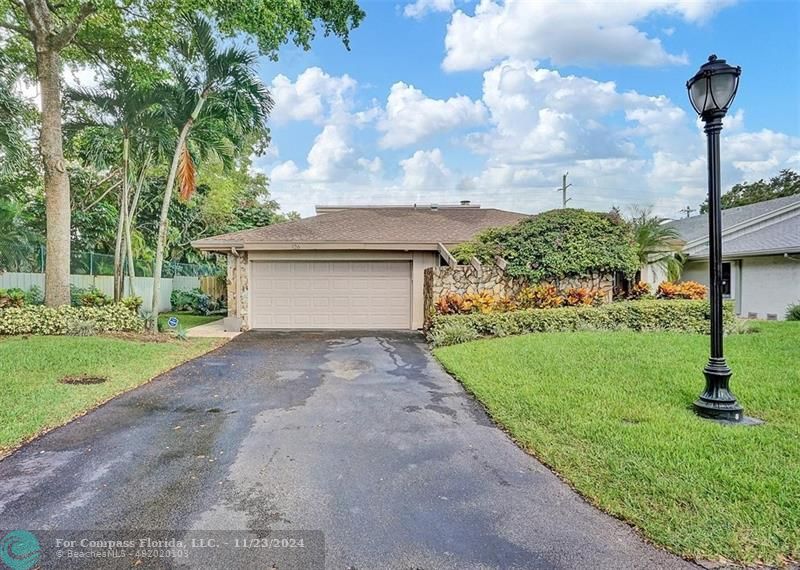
64, 37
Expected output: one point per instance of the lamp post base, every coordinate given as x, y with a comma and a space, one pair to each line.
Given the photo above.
717, 402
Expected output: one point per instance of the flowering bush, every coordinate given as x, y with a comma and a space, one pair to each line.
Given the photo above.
684, 290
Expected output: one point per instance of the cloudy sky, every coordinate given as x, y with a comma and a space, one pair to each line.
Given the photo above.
443, 100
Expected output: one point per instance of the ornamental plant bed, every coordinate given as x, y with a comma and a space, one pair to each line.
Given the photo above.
648, 315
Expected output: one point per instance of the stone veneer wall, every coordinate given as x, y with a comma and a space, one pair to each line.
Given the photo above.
237, 288
465, 279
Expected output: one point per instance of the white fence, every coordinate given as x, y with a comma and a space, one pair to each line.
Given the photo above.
142, 286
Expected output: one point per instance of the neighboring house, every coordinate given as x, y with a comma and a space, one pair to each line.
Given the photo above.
348, 267
761, 255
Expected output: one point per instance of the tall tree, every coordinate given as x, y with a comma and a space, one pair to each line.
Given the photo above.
787, 183
217, 102
50, 35
130, 32
121, 111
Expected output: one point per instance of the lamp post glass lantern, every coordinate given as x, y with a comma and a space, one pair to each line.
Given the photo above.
711, 92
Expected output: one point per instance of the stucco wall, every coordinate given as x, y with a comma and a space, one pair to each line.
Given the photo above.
761, 285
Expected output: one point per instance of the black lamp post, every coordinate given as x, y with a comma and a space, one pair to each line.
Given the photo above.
711, 92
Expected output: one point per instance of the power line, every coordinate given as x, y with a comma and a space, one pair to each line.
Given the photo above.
687, 210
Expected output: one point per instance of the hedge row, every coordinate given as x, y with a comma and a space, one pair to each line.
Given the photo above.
33, 319
647, 315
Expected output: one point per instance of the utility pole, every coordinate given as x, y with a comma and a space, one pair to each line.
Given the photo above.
688, 211
563, 190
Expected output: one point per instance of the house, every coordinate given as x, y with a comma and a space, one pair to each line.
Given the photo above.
761, 255
348, 267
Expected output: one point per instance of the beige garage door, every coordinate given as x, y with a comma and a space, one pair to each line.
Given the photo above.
330, 294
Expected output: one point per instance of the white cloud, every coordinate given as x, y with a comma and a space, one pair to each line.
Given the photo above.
426, 170
567, 33
410, 116
313, 96
539, 114
422, 7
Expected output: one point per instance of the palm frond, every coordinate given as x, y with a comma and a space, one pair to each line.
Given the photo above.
187, 175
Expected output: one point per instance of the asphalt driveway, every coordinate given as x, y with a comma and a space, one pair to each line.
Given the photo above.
361, 436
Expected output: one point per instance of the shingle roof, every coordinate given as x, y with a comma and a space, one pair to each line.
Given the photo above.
375, 225
696, 227
782, 235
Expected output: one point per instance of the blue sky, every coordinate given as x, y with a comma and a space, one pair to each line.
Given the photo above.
442, 100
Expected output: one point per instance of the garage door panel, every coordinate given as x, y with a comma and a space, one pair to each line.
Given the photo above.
330, 294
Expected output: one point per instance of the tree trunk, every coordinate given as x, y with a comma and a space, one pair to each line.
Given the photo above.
56, 179
162, 224
129, 220
119, 246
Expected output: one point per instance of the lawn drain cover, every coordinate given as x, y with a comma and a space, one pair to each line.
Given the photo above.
83, 379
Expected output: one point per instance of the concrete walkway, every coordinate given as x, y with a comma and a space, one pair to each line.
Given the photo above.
214, 330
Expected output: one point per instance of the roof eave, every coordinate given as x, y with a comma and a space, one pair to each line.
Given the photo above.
750, 253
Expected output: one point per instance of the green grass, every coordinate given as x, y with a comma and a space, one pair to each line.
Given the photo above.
611, 413
187, 320
32, 400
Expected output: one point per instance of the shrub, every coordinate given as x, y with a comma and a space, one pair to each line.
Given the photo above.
640, 290
34, 296
81, 328
480, 302
581, 297
12, 298
542, 296
683, 290
452, 332
133, 302
793, 312
59, 320
647, 315
195, 301
93, 297
557, 245
182, 300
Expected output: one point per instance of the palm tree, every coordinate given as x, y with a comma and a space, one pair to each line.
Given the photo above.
657, 243
121, 112
216, 100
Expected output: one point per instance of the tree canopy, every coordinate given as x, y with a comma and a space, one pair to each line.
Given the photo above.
787, 183
557, 245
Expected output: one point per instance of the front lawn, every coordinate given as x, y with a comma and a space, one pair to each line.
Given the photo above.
186, 320
611, 412
32, 400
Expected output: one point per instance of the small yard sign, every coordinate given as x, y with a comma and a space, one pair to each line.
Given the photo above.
173, 322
